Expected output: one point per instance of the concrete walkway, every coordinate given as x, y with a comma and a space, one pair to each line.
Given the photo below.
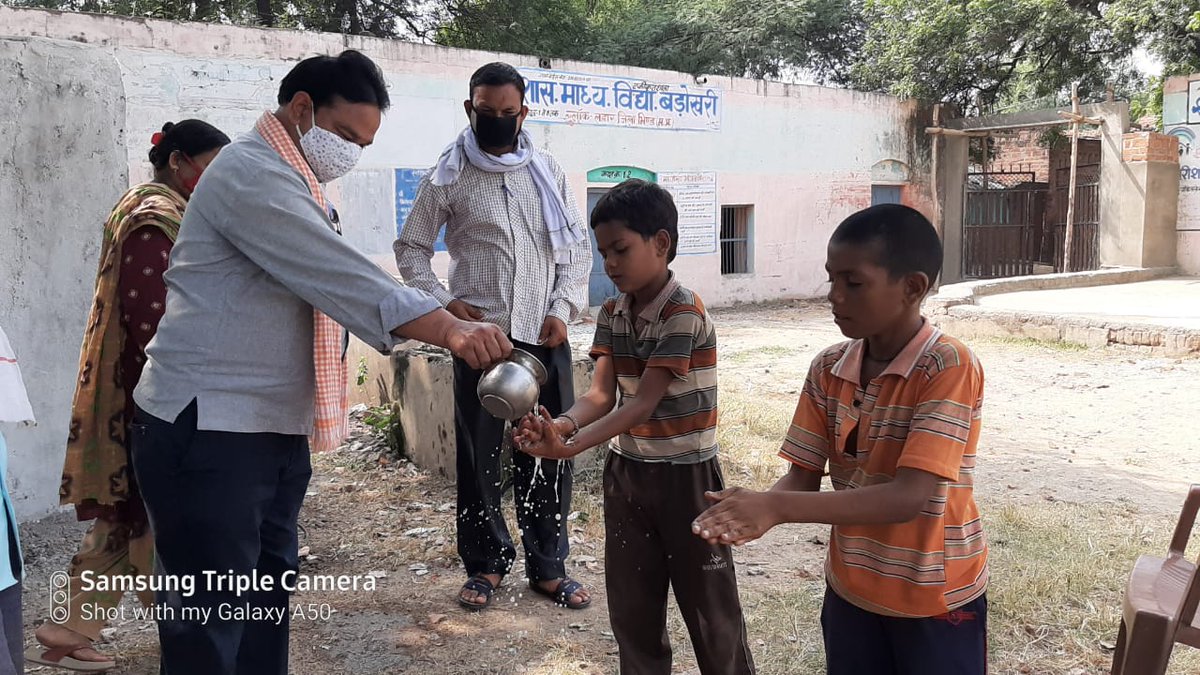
1173, 302
1162, 314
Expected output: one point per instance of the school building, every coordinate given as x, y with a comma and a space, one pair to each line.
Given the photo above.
762, 172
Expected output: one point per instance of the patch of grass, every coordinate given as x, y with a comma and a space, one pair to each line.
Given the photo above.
749, 431
385, 421
1058, 580
784, 627
1058, 570
1058, 574
767, 352
1029, 342
563, 657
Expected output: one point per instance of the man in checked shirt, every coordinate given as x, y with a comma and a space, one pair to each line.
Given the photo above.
520, 259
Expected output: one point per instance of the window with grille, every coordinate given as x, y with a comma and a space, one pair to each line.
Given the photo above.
736, 239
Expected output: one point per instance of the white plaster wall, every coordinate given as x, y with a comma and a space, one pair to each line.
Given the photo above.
1175, 115
1188, 252
62, 167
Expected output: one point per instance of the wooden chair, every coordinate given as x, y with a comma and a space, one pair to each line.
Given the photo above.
1160, 604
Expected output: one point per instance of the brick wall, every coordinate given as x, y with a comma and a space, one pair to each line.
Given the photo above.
1147, 146
1020, 151
1060, 156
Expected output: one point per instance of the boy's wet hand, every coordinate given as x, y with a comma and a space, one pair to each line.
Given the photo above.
529, 428
737, 517
539, 437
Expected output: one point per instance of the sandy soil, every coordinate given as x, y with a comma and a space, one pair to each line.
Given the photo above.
1092, 428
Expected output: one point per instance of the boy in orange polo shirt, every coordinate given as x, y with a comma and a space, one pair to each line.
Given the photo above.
894, 414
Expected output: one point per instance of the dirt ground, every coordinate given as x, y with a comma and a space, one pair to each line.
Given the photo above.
1084, 462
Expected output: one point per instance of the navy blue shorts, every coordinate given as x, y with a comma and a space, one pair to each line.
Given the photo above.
858, 642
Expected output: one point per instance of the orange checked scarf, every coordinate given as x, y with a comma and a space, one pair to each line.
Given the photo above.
330, 422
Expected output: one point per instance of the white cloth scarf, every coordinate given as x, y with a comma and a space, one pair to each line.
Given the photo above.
563, 233
14, 403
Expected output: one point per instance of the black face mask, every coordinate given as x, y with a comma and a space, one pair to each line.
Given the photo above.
494, 131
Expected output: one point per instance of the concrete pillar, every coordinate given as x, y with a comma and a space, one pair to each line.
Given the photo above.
952, 180
418, 381
1153, 160
423, 394
1140, 202
1122, 190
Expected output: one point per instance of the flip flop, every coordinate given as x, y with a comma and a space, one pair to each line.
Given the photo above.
481, 585
60, 657
561, 595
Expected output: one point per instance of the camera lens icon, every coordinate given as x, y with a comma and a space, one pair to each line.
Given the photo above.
60, 597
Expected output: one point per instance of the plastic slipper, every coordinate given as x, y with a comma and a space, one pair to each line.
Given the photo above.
60, 657
561, 595
481, 585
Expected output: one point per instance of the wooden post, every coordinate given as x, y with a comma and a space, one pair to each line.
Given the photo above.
1070, 227
935, 141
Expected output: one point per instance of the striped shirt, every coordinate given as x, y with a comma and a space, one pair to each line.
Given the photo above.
922, 412
502, 260
672, 332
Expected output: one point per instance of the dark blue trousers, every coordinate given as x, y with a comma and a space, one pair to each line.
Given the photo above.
221, 502
858, 642
543, 499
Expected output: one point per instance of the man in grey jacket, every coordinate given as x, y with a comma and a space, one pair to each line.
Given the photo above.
226, 402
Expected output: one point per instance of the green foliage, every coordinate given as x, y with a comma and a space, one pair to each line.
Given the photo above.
361, 373
381, 18
1148, 103
385, 420
725, 37
1169, 29
982, 55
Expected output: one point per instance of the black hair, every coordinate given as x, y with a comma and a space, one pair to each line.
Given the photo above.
907, 242
190, 137
641, 206
350, 76
497, 74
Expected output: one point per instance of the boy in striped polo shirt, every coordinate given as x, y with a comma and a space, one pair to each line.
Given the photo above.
657, 348
894, 414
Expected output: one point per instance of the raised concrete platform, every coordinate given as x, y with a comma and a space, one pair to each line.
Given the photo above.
418, 380
969, 292
1142, 308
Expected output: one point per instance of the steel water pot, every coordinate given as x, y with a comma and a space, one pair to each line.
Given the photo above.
510, 388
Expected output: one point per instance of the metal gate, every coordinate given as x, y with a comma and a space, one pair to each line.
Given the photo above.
1003, 224
1085, 241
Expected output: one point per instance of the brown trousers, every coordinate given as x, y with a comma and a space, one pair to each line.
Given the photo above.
648, 513
111, 547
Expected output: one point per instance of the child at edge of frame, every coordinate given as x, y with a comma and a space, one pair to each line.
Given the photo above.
14, 408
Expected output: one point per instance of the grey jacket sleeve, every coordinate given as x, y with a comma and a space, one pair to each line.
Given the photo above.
274, 221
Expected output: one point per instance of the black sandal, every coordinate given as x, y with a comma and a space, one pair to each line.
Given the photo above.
481, 585
561, 595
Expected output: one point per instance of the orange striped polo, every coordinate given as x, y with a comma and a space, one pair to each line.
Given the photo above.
672, 332
922, 412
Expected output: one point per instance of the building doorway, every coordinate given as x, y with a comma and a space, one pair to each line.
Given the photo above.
600, 287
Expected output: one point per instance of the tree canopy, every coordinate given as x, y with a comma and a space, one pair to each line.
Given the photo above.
978, 54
